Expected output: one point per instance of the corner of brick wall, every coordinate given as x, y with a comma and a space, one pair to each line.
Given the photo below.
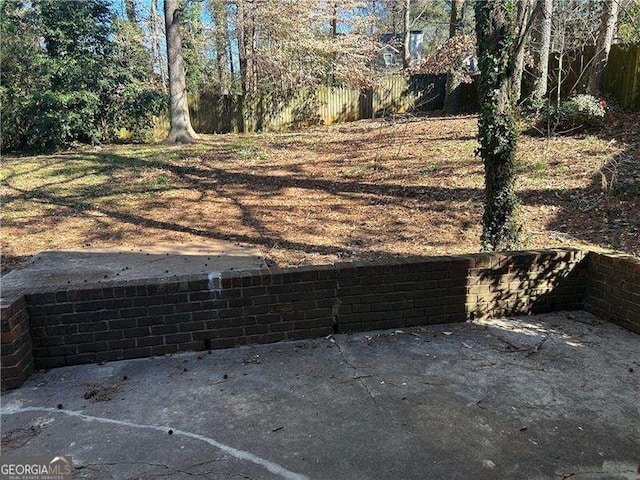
429, 290
16, 348
525, 283
613, 288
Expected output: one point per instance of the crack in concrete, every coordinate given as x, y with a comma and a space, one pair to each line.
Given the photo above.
234, 452
361, 380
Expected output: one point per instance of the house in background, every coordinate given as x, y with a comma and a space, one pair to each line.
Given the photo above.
391, 53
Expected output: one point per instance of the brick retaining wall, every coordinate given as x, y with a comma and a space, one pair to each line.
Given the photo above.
613, 289
421, 291
17, 359
106, 322
191, 313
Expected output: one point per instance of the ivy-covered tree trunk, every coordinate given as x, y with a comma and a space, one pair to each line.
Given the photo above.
181, 129
130, 8
498, 43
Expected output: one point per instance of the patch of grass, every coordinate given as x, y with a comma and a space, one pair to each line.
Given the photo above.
376, 166
160, 183
540, 170
431, 167
247, 149
149, 150
260, 155
353, 172
240, 144
470, 147
537, 170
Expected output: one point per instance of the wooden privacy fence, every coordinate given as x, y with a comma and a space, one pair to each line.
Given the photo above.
621, 78
213, 113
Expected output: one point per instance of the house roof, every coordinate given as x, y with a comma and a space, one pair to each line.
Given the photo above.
390, 37
396, 37
388, 46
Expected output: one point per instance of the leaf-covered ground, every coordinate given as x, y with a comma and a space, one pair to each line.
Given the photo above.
363, 190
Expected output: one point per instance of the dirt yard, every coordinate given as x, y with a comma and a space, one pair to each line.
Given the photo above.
363, 190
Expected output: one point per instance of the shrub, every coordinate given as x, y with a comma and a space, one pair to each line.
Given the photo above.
61, 119
72, 73
578, 112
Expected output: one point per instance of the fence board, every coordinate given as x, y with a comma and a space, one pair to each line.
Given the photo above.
622, 76
212, 113
621, 79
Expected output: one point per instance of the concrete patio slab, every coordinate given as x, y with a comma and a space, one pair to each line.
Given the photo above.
546, 397
76, 267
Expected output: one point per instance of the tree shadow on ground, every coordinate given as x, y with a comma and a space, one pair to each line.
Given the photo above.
98, 186
610, 204
85, 199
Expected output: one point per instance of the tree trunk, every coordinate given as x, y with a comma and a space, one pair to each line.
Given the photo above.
606, 31
222, 44
453, 91
560, 75
497, 33
406, 59
543, 41
456, 6
525, 10
242, 51
154, 29
392, 6
130, 9
181, 130
232, 69
374, 11
246, 49
334, 20
333, 25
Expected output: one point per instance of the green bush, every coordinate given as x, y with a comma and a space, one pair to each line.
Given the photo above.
60, 119
72, 73
574, 113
